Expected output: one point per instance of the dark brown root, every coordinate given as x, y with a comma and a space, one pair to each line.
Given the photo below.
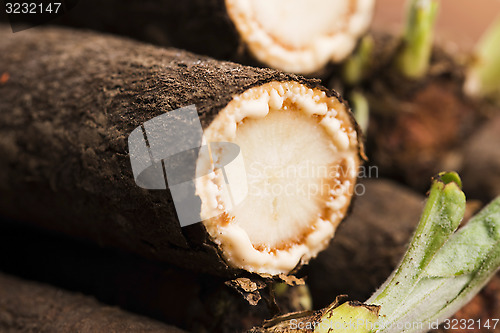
70, 101
33, 307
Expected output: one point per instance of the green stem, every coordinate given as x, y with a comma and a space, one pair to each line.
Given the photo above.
361, 109
483, 75
441, 271
475, 250
457, 273
414, 56
442, 214
442, 283
350, 317
356, 66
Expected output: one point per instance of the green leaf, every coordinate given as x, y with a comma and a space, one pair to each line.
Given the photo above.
456, 273
485, 262
470, 246
442, 214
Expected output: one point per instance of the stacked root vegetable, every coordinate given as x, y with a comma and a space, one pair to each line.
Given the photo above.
144, 187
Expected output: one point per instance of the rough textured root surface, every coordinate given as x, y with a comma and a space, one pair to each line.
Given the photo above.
32, 307
368, 244
201, 26
68, 104
194, 302
481, 159
417, 127
242, 31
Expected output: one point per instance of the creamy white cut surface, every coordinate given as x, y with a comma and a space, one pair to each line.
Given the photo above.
300, 156
300, 36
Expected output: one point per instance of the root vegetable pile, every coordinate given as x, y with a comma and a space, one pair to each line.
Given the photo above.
220, 181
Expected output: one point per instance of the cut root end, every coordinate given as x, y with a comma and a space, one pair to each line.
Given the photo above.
300, 36
281, 203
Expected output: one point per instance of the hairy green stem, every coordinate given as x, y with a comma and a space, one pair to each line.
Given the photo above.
442, 214
474, 252
441, 271
447, 269
457, 273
